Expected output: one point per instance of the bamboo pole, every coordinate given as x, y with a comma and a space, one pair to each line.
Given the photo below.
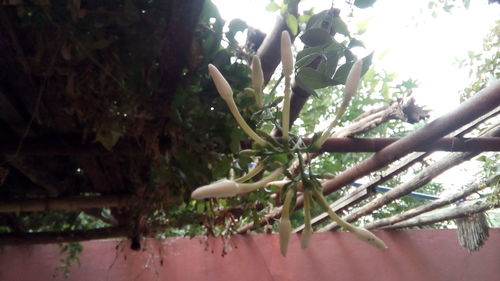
62, 237
336, 144
483, 102
448, 213
368, 188
420, 179
68, 203
431, 205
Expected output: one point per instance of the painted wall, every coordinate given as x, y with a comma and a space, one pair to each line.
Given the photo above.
412, 255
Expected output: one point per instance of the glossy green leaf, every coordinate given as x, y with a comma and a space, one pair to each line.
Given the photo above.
355, 43
305, 61
315, 37
339, 26
341, 74
304, 86
313, 78
310, 50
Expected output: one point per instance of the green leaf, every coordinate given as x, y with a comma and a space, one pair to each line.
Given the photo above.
341, 74
304, 86
316, 36
292, 23
340, 26
305, 61
355, 43
311, 50
237, 25
221, 169
332, 60
313, 78
272, 7
363, 4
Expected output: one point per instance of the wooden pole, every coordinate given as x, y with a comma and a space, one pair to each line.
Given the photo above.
481, 103
448, 213
68, 203
430, 206
62, 237
423, 177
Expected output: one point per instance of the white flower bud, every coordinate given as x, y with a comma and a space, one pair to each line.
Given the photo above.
286, 53
352, 81
284, 235
221, 83
368, 237
221, 188
257, 74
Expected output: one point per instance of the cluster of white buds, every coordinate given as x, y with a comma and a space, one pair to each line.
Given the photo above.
230, 188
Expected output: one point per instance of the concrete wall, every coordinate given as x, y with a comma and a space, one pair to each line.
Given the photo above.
412, 255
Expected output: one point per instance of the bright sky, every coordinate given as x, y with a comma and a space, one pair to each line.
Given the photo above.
415, 45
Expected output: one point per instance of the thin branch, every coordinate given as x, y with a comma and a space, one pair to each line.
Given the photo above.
481, 103
422, 178
365, 190
449, 213
431, 205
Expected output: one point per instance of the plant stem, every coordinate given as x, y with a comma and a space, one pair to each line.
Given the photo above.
286, 108
322, 202
248, 187
243, 124
253, 172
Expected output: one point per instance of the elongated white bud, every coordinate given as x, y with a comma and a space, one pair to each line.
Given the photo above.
284, 235
226, 93
307, 231
257, 74
221, 188
368, 237
286, 53
221, 83
352, 81
285, 224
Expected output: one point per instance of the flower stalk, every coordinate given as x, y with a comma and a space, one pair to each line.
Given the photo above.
360, 233
226, 93
307, 231
287, 64
351, 86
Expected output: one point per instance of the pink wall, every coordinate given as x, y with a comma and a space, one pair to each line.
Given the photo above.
412, 255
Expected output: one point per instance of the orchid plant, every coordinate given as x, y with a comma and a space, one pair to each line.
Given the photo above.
265, 147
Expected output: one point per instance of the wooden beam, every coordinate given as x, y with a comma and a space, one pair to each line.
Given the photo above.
64, 203
430, 206
448, 213
62, 237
